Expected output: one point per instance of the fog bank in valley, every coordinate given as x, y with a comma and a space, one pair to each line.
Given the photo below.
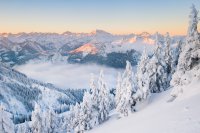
68, 75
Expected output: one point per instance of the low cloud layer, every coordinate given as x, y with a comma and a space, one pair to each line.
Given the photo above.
68, 75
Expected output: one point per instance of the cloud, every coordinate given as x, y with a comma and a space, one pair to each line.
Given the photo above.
68, 75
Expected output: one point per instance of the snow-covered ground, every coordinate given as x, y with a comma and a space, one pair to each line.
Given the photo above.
160, 115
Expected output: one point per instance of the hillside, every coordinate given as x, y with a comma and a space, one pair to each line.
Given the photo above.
159, 114
19, 93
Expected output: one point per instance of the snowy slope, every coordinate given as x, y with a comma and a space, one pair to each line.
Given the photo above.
160, 115
18, 93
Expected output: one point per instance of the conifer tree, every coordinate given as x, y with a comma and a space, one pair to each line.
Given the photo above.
168, 54
86, 110
104, 102
176, 54
190, 55
50, 121
118, 89
6, 124
94, 101
142, 78
125, 103
37, 121
156, 70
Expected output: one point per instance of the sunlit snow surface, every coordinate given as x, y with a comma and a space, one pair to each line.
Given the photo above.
160, 116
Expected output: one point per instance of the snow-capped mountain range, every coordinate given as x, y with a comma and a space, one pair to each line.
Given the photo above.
75, 47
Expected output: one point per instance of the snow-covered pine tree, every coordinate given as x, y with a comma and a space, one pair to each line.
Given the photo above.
20, 129
81, 121
37, 120
142, 78
70, 120
6, 124
78, 119
168, 56
118, 92
190, 55
95, 101
126, 100
104, 100
50, 121
94, 92
158, 78
152, 74
86, 110
192, 34
93, 87
175, 55
27, 128
23, 128
66, 123
84, 116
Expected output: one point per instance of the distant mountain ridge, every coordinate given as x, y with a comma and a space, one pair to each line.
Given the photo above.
17, 49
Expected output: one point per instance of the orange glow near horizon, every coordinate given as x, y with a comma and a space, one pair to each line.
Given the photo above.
176, 31
174, 28
113, 16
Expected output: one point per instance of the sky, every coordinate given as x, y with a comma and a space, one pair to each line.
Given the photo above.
114, 16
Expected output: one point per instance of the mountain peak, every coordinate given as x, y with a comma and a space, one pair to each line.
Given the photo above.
67, 33
86, 48
145, 34
97, 31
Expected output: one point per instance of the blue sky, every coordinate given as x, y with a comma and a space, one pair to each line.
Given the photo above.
116, 16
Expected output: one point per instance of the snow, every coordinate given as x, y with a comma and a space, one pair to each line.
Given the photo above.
49, 97
124, 47
159, 116
86, 48
99, 37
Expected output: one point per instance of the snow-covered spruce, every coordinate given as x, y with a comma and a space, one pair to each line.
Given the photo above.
37, 119
159, 67
142, 78
189, 59
104, 101
125, 101
94, 109
6, 124
118, 92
